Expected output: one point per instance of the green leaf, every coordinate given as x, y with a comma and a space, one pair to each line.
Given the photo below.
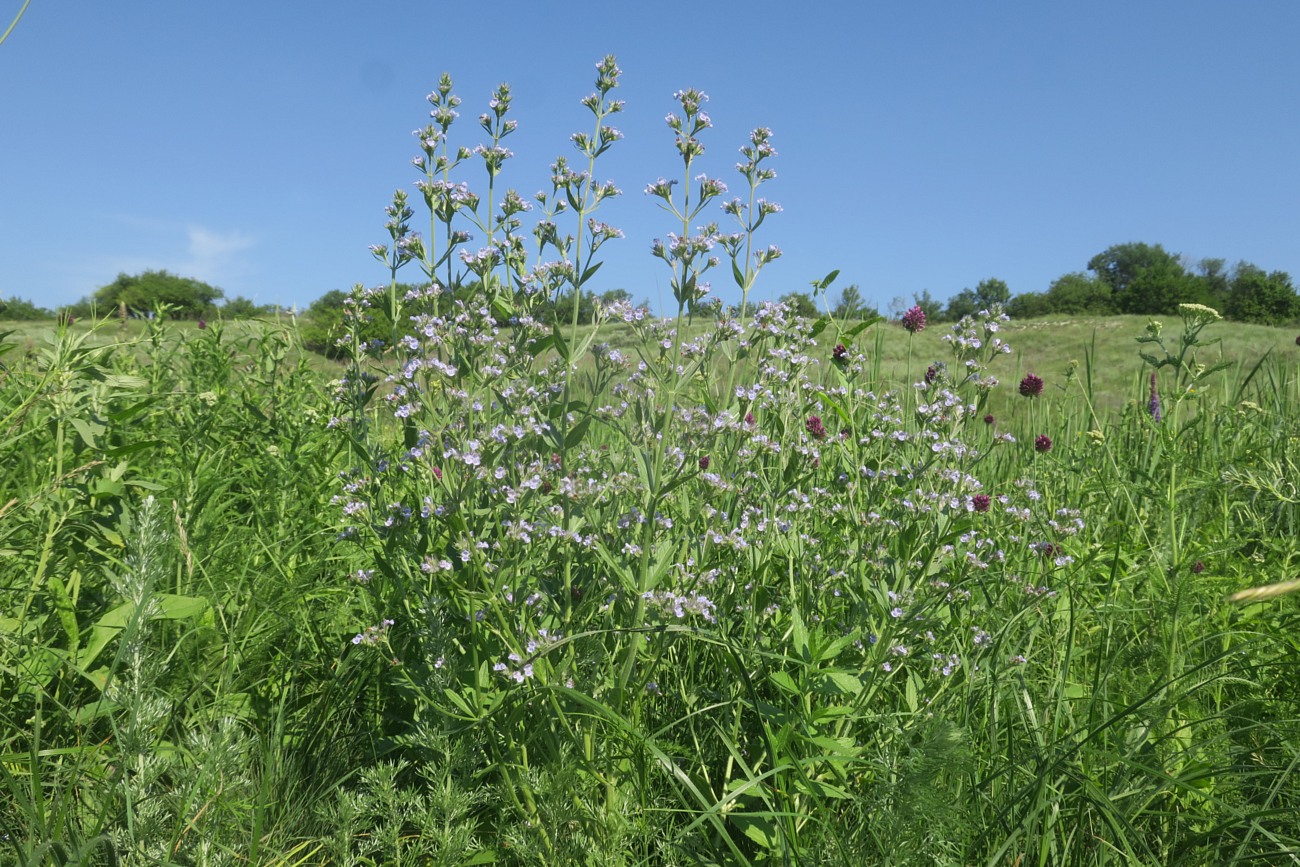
839, 409
67, 612
127, 413
758, 827
910, 692
558, 341
540, 345
842, 681
88, 431
577, 433
784, 682
837, 646
589, 272
502, 308
799, 636
826, 281
822, 790
865, 324
168, 607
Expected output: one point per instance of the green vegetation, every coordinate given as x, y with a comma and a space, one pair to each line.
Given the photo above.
17, 309
151, 293
1145, 279
199, 669
497, 588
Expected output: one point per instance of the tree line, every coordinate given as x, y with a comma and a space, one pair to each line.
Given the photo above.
1143, 279
1132, 278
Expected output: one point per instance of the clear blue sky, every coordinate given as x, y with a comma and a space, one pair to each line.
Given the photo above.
922, 145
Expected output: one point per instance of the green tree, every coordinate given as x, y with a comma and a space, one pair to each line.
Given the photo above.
1255, 296
326, 324
240, 307
1145, 278
801, 303
964, 303
1077, 293
931, 306
21, 310
1027, 305
850, 304
968, 302
183, 297
1216, 281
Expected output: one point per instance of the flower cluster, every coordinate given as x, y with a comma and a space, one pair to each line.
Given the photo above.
914, 319
1031, 385
815, 427
671, 604
372, 635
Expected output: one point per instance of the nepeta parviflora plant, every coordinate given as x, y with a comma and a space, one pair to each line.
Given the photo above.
596, 562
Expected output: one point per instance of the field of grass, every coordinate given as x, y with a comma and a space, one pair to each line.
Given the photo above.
628, 595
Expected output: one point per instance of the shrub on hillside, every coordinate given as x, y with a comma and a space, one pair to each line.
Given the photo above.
1255, 296
17, 309
326, 322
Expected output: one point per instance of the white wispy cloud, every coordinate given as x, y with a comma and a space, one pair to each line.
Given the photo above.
215, 255
130, 244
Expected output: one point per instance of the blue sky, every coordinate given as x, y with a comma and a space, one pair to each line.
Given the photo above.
923, 145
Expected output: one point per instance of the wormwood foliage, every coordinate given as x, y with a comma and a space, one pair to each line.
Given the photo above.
707, 589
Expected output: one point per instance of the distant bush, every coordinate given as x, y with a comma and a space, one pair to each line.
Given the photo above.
1146, 279
240, 307
151, 292
1254, 296
18, 309
326, 322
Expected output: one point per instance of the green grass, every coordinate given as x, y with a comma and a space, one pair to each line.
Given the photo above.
606, 649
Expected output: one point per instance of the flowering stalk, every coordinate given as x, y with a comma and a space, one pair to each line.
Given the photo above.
688, 256
749, 216
443, 198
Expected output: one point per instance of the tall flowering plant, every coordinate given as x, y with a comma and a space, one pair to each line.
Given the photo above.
565, 543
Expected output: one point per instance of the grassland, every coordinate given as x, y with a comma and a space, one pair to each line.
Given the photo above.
714, 597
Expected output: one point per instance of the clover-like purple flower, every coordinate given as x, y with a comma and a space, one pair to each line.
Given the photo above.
1043, 443
914, 319
1031, 385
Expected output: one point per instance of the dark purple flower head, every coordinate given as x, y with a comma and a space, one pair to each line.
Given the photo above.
1153, 404
988, 419
1031, 385
981, 502
1297, 340
1198, 567
1043, 443
840, 353
815, 427
914, 319
931, 374
203, 323
749, 419
704, 462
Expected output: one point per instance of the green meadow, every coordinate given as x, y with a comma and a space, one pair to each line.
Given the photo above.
253, 613
738, 587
